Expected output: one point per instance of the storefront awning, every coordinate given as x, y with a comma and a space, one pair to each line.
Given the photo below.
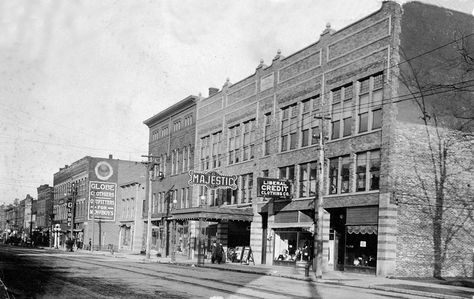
213, 214
362, 229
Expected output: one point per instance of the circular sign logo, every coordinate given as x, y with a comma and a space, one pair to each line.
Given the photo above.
103, 170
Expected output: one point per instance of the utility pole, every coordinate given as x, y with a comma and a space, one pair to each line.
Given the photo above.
319, 202
150, 173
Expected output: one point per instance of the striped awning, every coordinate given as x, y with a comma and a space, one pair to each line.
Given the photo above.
362, 229
213, 214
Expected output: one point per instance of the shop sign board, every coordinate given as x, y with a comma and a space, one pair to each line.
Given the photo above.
69, 212
212, 180
102, 197
273, 188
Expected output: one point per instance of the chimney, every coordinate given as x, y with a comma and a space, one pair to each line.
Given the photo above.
213, 91
111, 156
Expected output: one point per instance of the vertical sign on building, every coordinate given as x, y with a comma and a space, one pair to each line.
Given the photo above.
69, 212
102, 189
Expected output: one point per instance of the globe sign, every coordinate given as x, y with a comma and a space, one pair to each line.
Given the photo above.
103, 170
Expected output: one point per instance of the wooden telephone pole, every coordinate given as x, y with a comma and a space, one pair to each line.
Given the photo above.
151, 177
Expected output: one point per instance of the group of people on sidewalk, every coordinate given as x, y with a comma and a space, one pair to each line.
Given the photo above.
217, 253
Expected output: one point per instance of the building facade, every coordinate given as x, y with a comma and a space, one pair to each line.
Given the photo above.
351, 88
130, 201
85, 196
44, 213
171, 145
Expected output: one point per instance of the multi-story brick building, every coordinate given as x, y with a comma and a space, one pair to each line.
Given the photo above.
130, 200
171, 144
44, 211
267, 125
85, 195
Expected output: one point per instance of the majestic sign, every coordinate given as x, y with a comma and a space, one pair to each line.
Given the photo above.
102, 200
273, 188
213, 180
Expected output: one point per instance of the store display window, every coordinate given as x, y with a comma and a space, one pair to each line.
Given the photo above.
361, 246
292, 246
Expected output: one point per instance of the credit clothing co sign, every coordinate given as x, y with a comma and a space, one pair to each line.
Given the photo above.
274, 188
102, 200
213, 180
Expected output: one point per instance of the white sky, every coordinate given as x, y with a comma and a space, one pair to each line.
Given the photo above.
79, 77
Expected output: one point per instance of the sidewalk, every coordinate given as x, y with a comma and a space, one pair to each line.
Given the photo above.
348, 279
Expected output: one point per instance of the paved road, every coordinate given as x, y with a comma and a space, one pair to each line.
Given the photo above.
37, 273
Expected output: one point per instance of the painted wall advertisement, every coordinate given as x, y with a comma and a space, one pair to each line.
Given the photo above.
102, 189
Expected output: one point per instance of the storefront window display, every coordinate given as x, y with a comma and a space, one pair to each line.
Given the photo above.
361, 246
292, 246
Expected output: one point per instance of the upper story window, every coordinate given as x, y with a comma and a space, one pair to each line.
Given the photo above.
368, 171
370, 103
266, 133
246, 187
155, 135
288, 128
305, 122
205, 152
341, 112
217, 150
188, 120
164, 131
177, 125
307, 179
339, 175
248, 140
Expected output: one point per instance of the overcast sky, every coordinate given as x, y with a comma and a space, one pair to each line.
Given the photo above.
79, 77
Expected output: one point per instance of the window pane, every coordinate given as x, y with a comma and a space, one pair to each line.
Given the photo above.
282, 174
374, 170
363, 122
360, 171
333, 174
291, 173
314, 135
377, 119
345, 174
303, 180
335, 129
284, 143
347, 126
312, 179
293, 140
305, 137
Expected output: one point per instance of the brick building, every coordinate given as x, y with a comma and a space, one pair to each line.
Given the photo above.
85, 195
130, 200
362, 79
44, 210
171, 143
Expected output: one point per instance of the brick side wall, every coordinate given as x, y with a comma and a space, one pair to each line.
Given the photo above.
415, 185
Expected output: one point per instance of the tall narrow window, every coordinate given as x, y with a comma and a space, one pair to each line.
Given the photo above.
216, 149
267, 138
374, 170
248, 139
345, 166
370, 103
238, 137
307, 179
294, 127
336, 114
333, 175
305, 122
361, 169
285, 128
205, 152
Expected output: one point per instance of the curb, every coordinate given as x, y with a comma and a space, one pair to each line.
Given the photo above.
413, 292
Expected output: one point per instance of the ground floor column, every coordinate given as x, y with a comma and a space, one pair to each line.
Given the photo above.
387, 236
